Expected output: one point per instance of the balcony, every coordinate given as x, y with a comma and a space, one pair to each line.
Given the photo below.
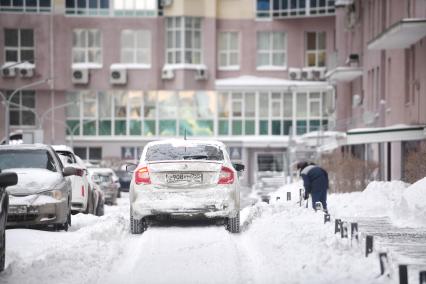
402, 34
284, 9
346, 73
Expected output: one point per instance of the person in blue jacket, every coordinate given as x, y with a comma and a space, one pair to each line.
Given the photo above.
315, 181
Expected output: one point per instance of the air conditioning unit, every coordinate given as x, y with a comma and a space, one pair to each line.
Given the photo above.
118, 76
318, 74
80, 76
201, 74
165, 3
294, 73
8, 72
306, 74
26, 72
167, 74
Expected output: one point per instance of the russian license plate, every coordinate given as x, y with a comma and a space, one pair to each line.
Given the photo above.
179, 177
17, 209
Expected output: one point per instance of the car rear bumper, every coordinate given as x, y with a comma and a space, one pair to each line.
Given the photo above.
49, 213
219, 202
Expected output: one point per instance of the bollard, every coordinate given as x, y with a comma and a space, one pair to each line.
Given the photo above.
384, 263
337, 226
422, 277
288, 196
278, 198
403, 274
326, 218
318, 206
368, 245
354, 231
344, 230
300, 197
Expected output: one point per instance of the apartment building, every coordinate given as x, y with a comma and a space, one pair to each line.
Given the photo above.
380, 78
250, 73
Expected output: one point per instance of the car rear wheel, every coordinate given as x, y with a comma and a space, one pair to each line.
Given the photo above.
233, 224
137, 226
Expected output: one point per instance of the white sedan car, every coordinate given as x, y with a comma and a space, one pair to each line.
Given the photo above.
184, 178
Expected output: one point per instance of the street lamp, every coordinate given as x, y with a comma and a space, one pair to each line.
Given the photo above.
8, 101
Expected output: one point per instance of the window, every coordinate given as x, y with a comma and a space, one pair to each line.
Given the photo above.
105, 113
168, 108
294, 8
90, 110
315, 49
271, 50
111, 7
87, 7
89, 153
136, 47
28, 6
87, 46
196, 113
19, 45
150, 113
183, 40
22, 108
229, 50
120, 113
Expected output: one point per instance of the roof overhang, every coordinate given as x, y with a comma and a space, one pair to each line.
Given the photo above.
342, 3
400, 35
264, 83
395, 133
344, 74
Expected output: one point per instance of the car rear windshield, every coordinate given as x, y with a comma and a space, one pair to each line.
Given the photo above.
165, 152
37, 159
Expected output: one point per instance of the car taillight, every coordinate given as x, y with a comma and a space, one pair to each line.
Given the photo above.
82, 190
226, 176
142, 176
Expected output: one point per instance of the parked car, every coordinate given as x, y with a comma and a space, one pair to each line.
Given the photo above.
6, 179
124, 179
81, 192
267, 183
42, 195
103, 177
97, 194
184, 178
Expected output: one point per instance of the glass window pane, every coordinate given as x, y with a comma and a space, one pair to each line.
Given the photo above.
127, 56
127, 39
135, 102
249, 127
234, 59
28, 118
237, 109
14, 117
150, 100
263, 40
135, 127
223, 105
11, 56
233, 37
278, 59
89, 104
89, 127
105, 104
263, 104
11, 37
105, 127
167, 104
223, 127
301, 100
278, 41
288, 105
321, 58
27, 38
120, 104
167, 127
276, 127
73, 127
237, 127
120, 127
27, 55
223, 36
301, 127
311, 41
311, 59
149, 128
287, 125
263, 127
314, 125
321, 40
263, 59
28, 99
73, 110
250, 105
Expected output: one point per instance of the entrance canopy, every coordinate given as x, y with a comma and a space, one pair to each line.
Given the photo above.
395, 133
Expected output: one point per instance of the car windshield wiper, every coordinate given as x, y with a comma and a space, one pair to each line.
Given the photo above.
195, 157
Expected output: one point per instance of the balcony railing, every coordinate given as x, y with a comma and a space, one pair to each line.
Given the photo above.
281, 9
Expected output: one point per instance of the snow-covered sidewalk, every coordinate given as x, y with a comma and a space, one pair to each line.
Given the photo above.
280, 243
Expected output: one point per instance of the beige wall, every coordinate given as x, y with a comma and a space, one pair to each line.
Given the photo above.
223, 9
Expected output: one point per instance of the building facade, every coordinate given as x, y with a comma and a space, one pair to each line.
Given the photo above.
121, 73
380, 79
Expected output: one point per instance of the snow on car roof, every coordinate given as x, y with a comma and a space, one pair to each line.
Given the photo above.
188, 143
25, 146
63, 148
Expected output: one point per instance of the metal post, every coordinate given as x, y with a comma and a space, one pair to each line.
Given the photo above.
403, 274
383, 258
278, 198
422, 277
344, 230
300, 196
326, 218
337, 225
354, 231
368, 245
288, 196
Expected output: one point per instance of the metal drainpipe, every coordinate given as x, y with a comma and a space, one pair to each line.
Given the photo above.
52, 66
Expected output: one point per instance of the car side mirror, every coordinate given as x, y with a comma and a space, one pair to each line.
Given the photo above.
70, 171
8, 179
130, 167
238, 167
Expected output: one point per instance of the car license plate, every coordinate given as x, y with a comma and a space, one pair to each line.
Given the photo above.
179, 177
17, 209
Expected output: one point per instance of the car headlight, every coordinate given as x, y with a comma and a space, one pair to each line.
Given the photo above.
56, 194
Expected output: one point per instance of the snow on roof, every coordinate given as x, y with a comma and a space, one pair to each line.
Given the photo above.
25, 146
378, 129
259, 82
331, 134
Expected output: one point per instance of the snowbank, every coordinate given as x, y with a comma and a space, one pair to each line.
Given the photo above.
411, 210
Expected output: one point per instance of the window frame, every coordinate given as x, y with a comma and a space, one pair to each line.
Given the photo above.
316, 51
271, 52
19, 48
135, 49
21, 108
86, 49
26, 9
111, 10
228, 51
294, 12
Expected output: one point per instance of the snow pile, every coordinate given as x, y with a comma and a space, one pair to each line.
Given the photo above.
411, 210
33, 180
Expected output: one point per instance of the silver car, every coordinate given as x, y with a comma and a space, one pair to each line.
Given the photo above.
184, 178
43, 193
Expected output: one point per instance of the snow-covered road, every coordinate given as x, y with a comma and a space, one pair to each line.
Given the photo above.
280, 243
